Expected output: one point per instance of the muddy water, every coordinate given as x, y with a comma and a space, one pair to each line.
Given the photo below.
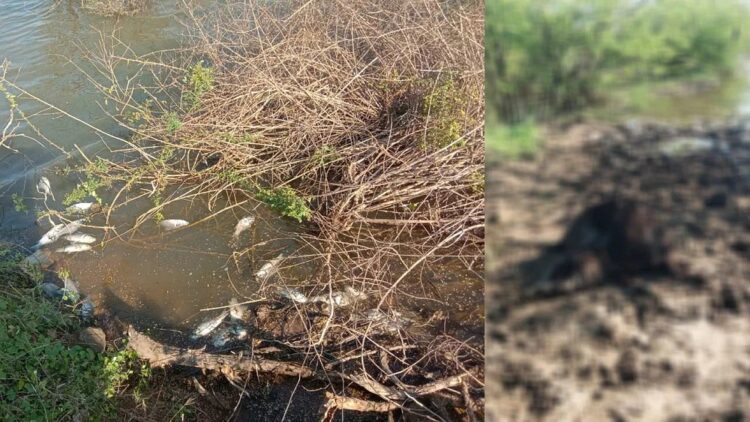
148, 277
160, 279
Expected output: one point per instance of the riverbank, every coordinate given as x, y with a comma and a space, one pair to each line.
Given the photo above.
618, 284
354, 149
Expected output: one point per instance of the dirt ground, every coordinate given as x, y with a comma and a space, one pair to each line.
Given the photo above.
618, 280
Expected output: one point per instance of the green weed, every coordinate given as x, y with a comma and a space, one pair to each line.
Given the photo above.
445, 105
85, 189
286, 201
18, 204
200, 79
172, 122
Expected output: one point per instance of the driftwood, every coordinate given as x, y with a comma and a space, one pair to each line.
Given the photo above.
160, 355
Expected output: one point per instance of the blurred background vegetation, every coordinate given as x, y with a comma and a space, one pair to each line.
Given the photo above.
549, 59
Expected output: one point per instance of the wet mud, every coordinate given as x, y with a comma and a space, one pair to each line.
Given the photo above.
620, 286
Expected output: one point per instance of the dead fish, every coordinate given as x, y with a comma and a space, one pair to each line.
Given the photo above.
269, 268
242, 225
293, 295
51, 236
80, 238
237, 311
173, 224
82, 208
345, 298
389, 323
74, 247
44, 187
225, 335
58, 231
208, 326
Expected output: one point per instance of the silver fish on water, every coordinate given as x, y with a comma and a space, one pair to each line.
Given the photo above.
80, 238
236, 310
44, 187
206, 327
269, 268
173, 224
83, 208
74, 247
242, 225
58, 231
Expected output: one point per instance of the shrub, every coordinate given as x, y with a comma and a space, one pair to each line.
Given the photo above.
286, 201
544, 58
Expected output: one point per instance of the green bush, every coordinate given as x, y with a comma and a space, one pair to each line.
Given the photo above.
544, 58
286, 201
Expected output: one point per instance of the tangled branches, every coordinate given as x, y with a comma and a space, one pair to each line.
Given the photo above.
362, 117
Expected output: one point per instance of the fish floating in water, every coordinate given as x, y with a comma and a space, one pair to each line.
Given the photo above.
80, 238
390, 323
345, 298
236, 311
83, 208
74, 247
58, 231
44, 187
269, 268
293, 295
208, 326
173, 224
242, 225
225, 335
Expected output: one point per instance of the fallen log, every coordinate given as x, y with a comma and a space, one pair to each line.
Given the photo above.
161, 355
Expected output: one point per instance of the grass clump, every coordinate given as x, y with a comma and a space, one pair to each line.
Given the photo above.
512, 140
43, 374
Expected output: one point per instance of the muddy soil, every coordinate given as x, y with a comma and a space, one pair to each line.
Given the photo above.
619, 287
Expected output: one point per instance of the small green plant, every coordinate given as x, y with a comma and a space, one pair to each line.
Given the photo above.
324, 155
444, 106
477, 182
286, 201
63, 273
18, 204
119, 367
200, 79
172, 122
85, 189
235, 178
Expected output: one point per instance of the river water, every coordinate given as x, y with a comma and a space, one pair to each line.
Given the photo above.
150, 278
